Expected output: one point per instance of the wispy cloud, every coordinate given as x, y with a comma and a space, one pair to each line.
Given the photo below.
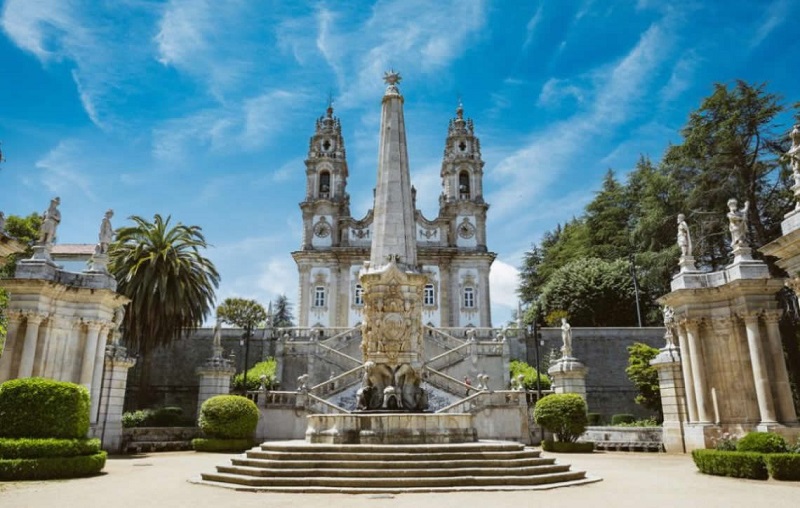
773, 16
62, 171
533, 24
503, 281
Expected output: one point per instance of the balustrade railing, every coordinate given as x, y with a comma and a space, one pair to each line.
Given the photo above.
339, 383
449, 358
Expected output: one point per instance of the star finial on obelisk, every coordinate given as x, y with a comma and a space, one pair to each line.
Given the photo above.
391, 77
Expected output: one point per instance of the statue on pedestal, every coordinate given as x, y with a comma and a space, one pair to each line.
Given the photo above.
684, 238
106, 234
738, 223
50, 221
794, 154
566, 339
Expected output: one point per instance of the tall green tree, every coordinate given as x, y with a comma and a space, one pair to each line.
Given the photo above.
26, 230
283, 317
245, 314
171, 284
608, 218
645, 377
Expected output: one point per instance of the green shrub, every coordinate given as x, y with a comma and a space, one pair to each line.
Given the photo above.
647, 422
563, 414
228, 417
517, 367
37, 407
726, 443
594, 419
783, 466
156, 417
32, 448
762, 442
735, 464
565, 447
267, 368
221, 445
47, 468
622, 418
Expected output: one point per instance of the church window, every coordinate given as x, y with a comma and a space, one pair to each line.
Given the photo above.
324, 184
469, 298
463, 185
319, 296
358, 298
429, 297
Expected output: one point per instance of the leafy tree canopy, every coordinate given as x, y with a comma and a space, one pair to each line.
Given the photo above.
246, 314
645, 377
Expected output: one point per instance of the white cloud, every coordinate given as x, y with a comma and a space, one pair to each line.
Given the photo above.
62, 172
554, 91
503, 281
533, 24
774, 16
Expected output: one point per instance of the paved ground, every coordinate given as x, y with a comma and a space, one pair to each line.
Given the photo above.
629, 480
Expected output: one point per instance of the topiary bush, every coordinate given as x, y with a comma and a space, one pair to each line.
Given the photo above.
622, 418
156, 417
37, 407
735, 464
762, 442
267, 368
563, 414
228, 417
46, 468
221, 445
783, 466
32, 448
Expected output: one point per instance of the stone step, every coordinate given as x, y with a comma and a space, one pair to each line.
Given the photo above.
376, 462
396, 484
409, 454
390, 474
481, 446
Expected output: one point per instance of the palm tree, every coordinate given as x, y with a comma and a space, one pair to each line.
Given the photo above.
170, 284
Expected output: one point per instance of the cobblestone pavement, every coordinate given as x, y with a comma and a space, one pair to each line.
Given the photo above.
629, 480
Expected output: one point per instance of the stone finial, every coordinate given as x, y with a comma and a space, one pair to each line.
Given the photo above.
391, 77
302, 383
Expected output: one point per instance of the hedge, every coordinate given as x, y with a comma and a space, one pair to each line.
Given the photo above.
563, 414
784, 466
594, 419
48, 468
32, 448
622, 418
762, 442
735, 464
565, 447
221, 445
156, 417
228, 417
37, 407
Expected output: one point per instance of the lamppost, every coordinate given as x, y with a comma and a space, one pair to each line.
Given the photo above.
246, 340
635, 288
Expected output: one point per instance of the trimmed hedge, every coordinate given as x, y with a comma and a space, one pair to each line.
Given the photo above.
735, 464
594, 419
221, 445
622, 418
783, 466
563, 414
565, 447
228, 417
47, 468
762, 442
37, 407
32, 448
156, 417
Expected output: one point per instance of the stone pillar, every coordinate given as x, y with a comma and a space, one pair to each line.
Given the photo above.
698, 371
783, 390
97, 372
673, 397
766, 406
569, 376
112, 398
89, 353
12, 344
215, 379
686, 370
29, 346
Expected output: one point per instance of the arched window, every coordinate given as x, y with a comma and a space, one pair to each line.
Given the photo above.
358, 297
463, 185
324, 184
429, 296
319, 296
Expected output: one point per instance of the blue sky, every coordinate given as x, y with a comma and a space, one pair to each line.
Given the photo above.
202, 109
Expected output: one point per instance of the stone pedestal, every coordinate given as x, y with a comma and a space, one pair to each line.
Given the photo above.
686, 264
112, 398
673, 397
215, 379
569, 376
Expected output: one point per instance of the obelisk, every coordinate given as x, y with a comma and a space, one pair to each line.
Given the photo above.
393, 284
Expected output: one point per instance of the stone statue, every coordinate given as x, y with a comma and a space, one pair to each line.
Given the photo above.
669, 325
738, 223
217, 334
50, 221
794, 154
119, 317
2, 222
106, 234
566, 338
684, 238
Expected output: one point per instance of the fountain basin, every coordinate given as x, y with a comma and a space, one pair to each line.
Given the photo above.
391, 428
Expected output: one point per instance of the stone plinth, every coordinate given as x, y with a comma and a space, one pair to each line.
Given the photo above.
215, 379
391, 428
673, 397
569, 376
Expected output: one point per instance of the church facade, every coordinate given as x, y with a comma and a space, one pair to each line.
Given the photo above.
451, 248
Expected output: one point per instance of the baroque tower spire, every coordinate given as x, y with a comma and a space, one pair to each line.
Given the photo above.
393, 226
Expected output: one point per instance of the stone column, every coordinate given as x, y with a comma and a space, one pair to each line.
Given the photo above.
783, 390
12, 344
698, 370
766, 406
97, 372
89, 353
29, 346
115, 378
673, 397
686, 369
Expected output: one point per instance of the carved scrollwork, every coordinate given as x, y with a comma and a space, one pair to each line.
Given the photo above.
429, 233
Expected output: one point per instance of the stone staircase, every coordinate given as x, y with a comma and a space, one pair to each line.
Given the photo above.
297, 466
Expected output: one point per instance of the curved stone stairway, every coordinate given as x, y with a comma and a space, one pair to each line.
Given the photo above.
297, 466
